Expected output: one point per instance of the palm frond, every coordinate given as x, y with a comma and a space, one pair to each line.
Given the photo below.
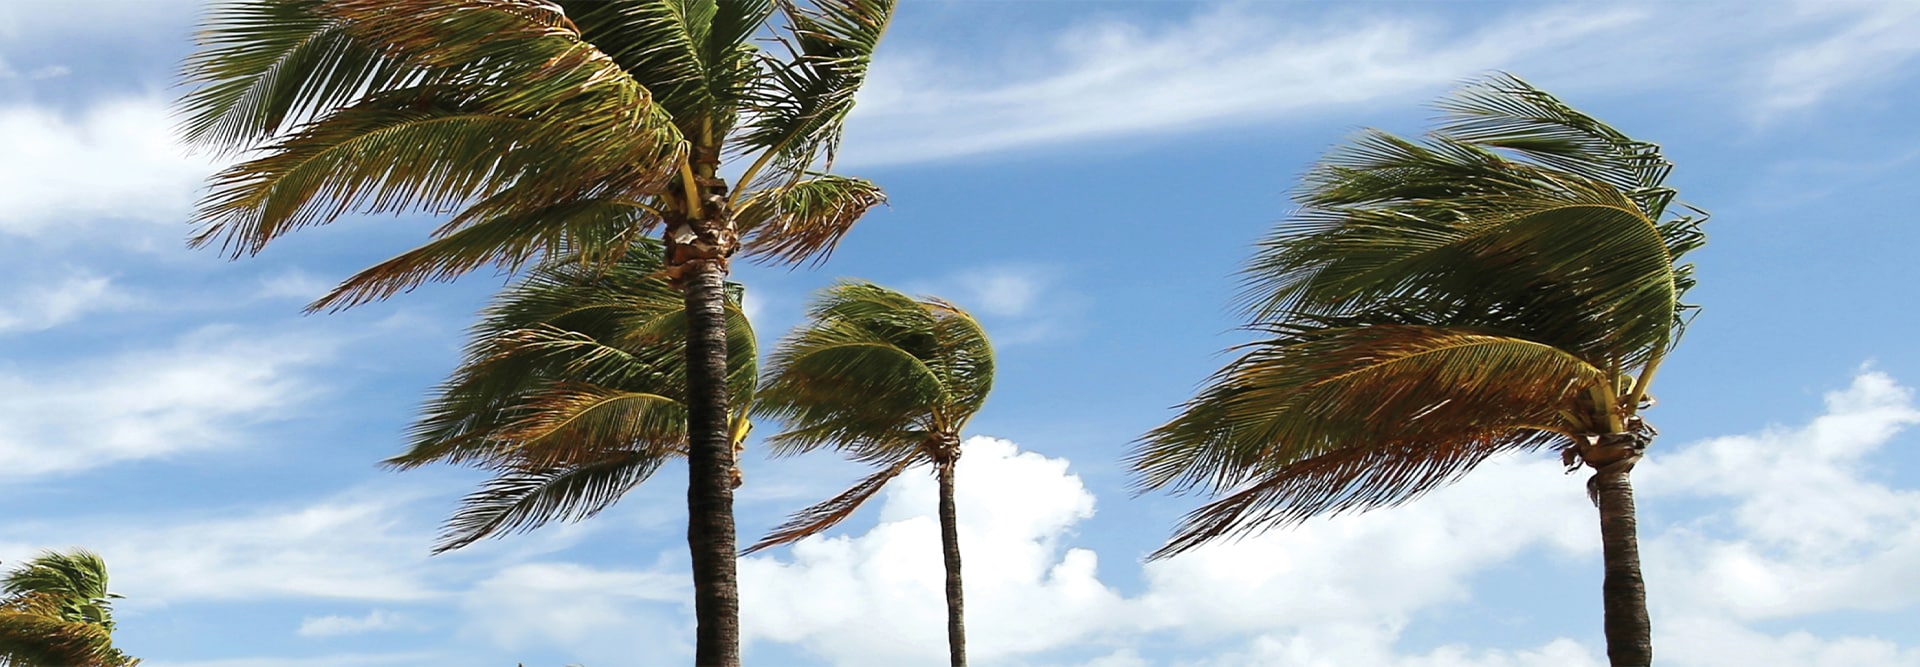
506, 236
696, 56
1505, 112
269, 65
818, 518
1342, 480
1470, 239
873, 370
796, 118
527, 94
520, 500
31, 640
804, 221
1308, 393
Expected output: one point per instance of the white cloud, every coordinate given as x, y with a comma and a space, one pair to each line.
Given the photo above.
1811, 529
886, 606
407, 659
45, 305
199, 394
1817, 533
604, 617
1020, 303
355, 546
335, 625
117, 160
1226, 65
1875, 40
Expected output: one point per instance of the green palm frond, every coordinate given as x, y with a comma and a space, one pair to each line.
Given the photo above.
264, 67
34, 640
804, 221
570, 375
796, 117
1574, 265
1508, 282
518, 500
872, 364
696, 56
518, 105
568, 331
1502, 111
55, 610
507, 236
886, 379
1313, 392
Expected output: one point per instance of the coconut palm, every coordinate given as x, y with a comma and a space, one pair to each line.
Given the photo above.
1508, 283
890, 381
55, 611
542, 128
573, 392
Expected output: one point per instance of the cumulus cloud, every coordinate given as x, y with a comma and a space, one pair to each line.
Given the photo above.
1808, 531
877, 599
148, 404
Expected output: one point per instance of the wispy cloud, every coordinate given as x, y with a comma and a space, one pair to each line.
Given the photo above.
45, 305
335, 625
1869, 41
199, 394
1226, 65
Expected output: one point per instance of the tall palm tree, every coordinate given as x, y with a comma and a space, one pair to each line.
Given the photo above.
547, 127
891, 381
1508, 283
573, 392
55, 611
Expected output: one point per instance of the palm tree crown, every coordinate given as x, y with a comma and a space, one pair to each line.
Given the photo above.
891, 381
1509, 282
55, 611
550, 129
572, 392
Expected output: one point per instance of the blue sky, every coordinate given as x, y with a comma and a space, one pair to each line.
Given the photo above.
1087, 176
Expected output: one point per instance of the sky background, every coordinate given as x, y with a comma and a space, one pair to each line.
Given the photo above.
1087, 177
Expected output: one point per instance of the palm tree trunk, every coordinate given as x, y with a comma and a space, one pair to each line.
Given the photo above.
1623, 592
950, 547
710, 533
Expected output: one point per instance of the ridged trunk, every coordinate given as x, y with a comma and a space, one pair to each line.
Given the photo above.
950, 548
1624, 592
710, 533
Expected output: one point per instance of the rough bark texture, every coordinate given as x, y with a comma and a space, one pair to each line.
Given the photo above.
950, 547
710, 533
1629, 632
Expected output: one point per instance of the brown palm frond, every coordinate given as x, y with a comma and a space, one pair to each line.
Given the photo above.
818, 518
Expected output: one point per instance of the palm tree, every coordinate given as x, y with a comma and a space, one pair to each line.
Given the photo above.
1508, 283
573, 392
55, 611
891, 381
549, 127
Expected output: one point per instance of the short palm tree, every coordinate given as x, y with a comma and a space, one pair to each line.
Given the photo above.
891, 381
573, 392
549, 127
1509, 283
55, 611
